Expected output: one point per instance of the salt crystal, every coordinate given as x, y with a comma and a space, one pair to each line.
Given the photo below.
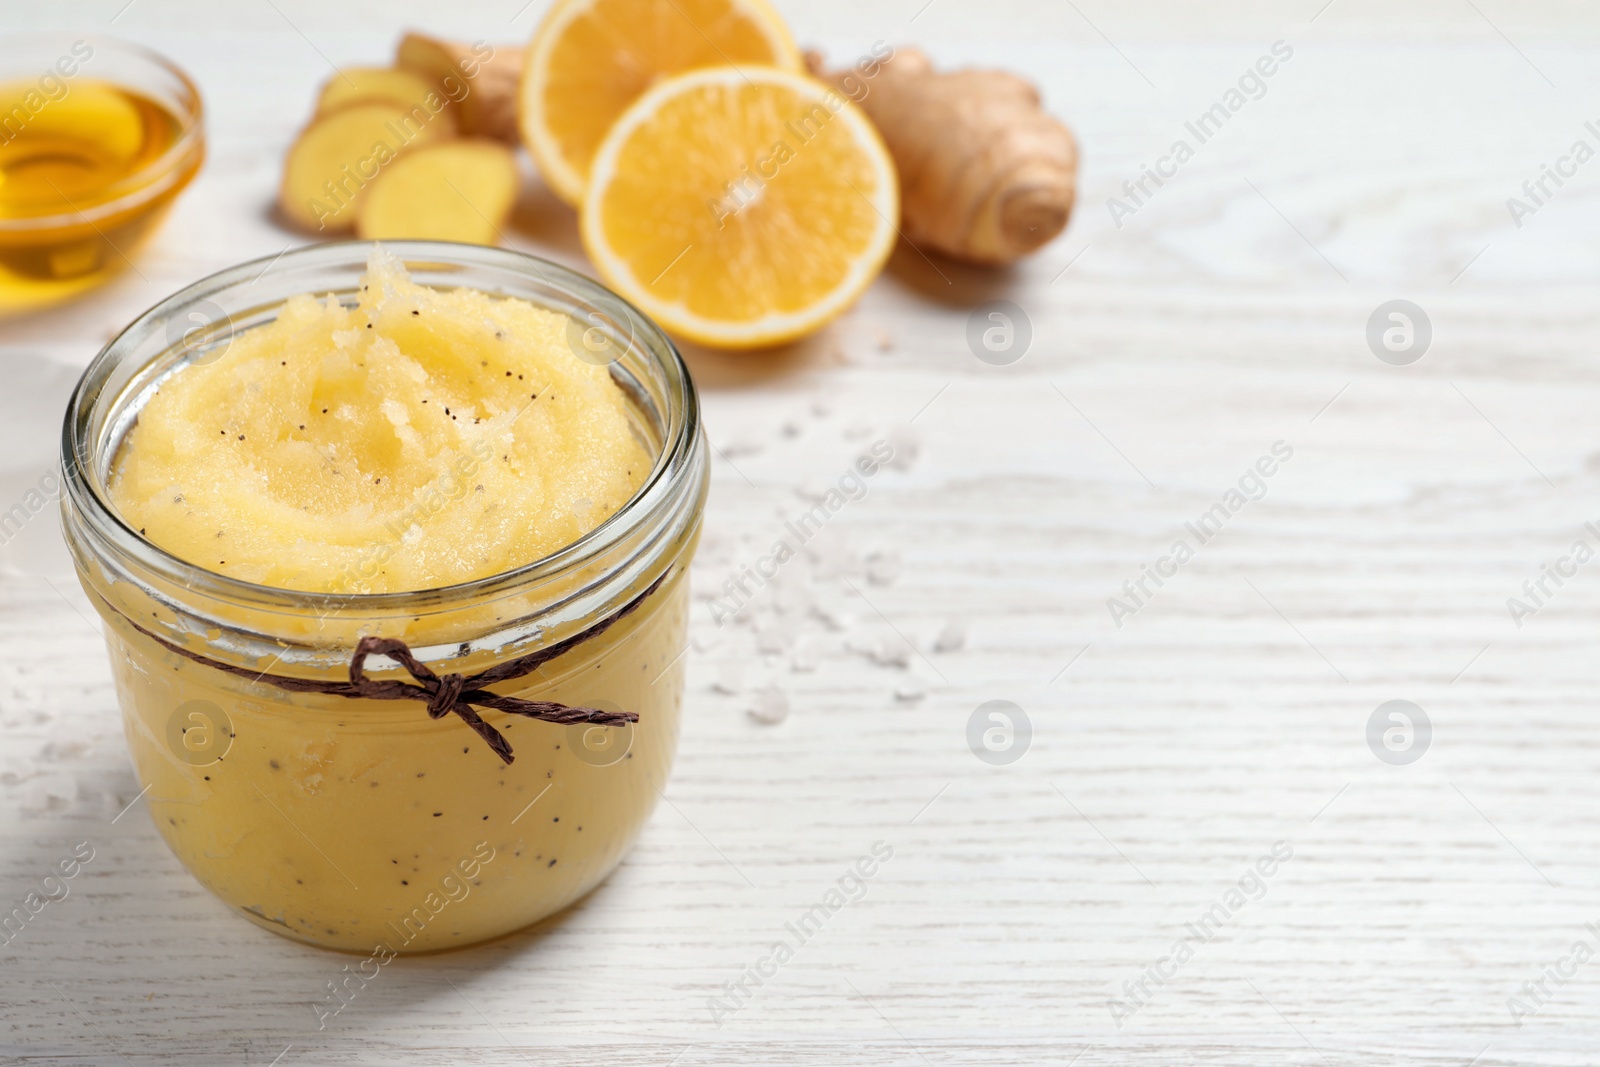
834, 618
889, 652
953, 638
775, 639
735, 447
770, 705
69, 748
893, 652
907, 445
883, 567
49, 792
730, 677
14, 770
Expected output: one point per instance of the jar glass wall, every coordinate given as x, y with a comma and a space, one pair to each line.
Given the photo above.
359, 823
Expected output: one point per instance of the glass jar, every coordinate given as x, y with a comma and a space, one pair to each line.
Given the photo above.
97, 206
361, 824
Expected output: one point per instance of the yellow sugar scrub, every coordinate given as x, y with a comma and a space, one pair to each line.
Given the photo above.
391, 548
416, 440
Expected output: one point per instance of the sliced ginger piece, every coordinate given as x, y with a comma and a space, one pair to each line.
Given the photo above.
367, 84
335, 160
455, 191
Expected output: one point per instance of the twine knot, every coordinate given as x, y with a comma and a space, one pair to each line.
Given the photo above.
446, 694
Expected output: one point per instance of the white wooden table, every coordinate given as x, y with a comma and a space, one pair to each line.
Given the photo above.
1168, 754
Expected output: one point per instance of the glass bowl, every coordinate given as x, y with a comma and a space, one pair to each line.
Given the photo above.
97, 138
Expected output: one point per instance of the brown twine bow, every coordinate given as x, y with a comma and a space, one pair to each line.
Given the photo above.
451, 692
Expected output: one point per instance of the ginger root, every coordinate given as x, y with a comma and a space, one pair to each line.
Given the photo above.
362, 84
335, 159
451, 191
489, 77
985, 175
381, 153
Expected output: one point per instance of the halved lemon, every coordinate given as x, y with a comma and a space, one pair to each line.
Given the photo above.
741, 207
590, 59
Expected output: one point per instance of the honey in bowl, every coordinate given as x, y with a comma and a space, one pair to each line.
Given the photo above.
88, 164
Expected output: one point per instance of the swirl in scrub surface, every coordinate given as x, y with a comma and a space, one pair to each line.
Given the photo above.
419, 439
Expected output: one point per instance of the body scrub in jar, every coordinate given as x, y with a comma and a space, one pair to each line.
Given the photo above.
392, 558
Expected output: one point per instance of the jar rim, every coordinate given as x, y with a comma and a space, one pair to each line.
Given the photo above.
155, 177
88, 451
